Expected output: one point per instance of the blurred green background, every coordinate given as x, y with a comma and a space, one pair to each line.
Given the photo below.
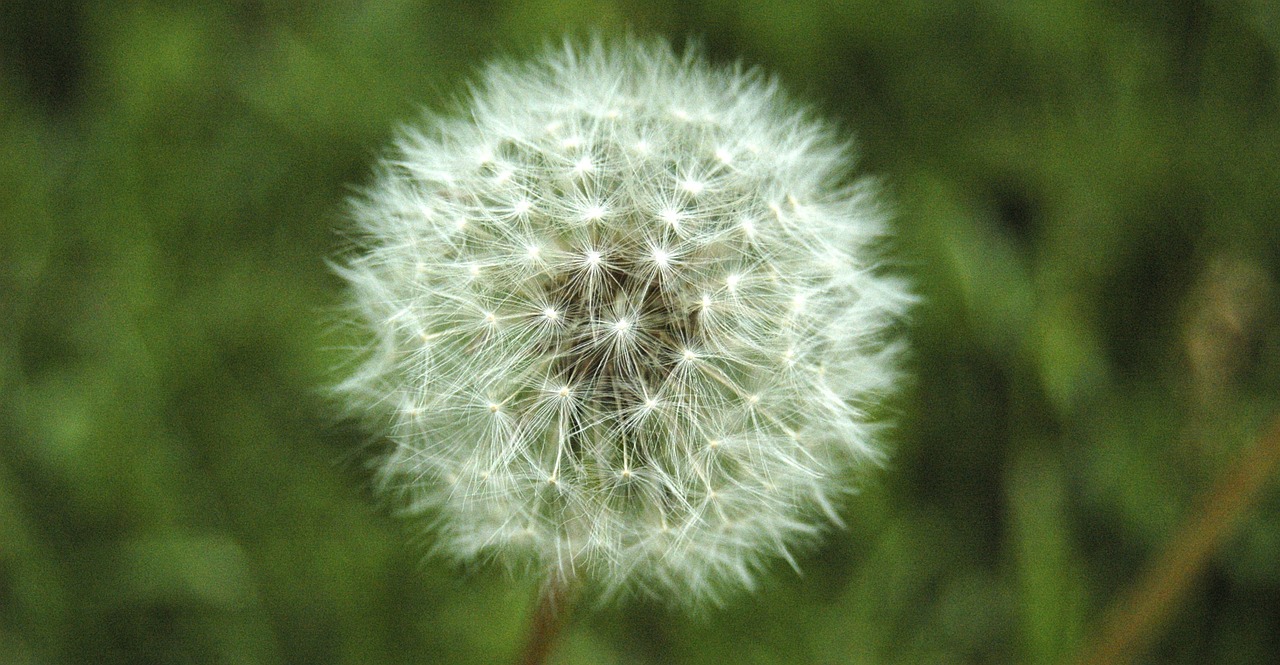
1087, 194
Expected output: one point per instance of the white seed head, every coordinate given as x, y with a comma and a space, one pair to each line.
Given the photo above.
632, 304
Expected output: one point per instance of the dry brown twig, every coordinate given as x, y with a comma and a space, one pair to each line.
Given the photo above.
1135, 619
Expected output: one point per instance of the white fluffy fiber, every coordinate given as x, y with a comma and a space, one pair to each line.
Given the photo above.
624, 312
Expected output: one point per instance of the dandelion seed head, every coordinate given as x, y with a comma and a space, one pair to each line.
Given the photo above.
625, 315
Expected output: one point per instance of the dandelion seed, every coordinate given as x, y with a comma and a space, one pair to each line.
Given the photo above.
671, 217
593, 213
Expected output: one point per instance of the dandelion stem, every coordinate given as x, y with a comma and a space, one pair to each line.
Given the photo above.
1136, 618
549, 619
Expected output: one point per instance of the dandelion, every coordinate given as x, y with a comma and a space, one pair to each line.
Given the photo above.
626, 316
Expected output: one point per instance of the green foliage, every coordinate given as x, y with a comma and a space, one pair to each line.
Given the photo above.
1086, 197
